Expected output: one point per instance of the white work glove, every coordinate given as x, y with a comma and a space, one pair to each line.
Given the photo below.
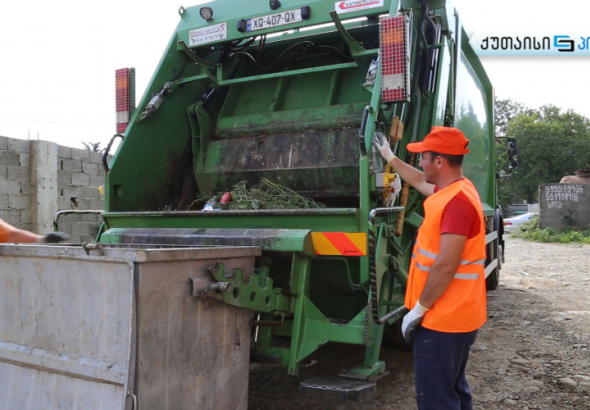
412, 320
380, 141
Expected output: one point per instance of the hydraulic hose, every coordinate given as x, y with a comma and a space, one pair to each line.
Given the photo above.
373, 267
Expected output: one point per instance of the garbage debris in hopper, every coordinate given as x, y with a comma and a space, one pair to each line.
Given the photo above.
268, 195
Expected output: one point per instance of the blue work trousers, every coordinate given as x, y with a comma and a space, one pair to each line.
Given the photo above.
440, 359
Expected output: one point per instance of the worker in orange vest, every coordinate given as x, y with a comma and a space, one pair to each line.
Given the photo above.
11, 234
446, 284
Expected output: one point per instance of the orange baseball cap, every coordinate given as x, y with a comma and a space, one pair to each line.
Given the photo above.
444, 140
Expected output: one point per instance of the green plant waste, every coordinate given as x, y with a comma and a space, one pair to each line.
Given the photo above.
268, 195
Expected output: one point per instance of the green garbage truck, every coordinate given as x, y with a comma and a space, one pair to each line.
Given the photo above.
289, 93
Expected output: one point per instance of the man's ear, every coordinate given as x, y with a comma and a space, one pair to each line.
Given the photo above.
439, 162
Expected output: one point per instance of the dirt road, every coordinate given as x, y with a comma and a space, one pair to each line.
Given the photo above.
533, 353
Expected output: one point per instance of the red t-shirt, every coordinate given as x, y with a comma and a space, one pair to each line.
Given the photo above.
460, 217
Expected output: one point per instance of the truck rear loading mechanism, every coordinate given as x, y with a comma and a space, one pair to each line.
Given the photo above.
294, 92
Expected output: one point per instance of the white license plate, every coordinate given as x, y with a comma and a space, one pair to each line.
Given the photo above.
274, 20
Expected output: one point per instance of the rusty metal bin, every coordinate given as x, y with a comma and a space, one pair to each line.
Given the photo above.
119, 329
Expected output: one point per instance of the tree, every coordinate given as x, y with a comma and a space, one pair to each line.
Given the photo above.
505, 111
92, 146
551, 145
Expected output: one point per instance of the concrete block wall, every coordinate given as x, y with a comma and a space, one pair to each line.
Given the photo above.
15, 182
565, 206
38, 178
79, 174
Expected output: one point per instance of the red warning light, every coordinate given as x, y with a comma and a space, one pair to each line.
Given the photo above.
125, 96
395, 58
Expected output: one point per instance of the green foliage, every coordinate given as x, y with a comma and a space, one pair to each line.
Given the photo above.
505, 111
531, 231
268, 195
92, 146
551, 145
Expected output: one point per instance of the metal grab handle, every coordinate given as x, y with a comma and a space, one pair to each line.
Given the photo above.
134, 397
105, 155
362, 130
60, 214
98, 247
403, 201
373, 267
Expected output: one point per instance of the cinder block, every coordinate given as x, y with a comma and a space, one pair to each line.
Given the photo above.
64, 152
19, 145
19, 202
71, 191
4, 142
64, 204
96, 180
25, 216
81, 155
19, 173
25, 159
80, 229
80, 179
96, 205
3, 172
12, 216
83, 203
25, 188
64, 226
9, 187
64, 177
70, 165
72, 218
90, 169
91, 192
93, 229
96, 158
25, 226
90, 218
76, 239
9, 158
3, 202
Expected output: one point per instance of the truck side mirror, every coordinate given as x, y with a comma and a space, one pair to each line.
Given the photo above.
512, 153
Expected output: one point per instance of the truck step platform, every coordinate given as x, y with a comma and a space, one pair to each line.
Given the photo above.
338, 387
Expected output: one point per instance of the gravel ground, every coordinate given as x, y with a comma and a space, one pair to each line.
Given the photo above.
533, 353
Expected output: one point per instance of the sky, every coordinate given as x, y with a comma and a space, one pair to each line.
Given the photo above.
58, 59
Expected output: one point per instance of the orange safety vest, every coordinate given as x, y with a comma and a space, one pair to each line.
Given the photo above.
462, 307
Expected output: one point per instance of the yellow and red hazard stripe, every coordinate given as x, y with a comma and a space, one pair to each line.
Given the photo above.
339, 243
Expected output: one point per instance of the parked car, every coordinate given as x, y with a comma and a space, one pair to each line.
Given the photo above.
513, 223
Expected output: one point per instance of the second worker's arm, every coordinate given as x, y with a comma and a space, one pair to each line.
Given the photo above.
407, 172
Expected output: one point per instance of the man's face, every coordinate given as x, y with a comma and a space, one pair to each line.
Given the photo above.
427, 163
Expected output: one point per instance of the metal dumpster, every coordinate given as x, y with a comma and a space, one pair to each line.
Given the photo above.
120, 328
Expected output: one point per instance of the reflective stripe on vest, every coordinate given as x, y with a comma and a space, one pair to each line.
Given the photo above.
458, 275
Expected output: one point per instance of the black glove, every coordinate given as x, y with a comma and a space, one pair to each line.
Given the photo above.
55, 237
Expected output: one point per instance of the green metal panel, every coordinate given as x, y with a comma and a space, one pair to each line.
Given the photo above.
442, 91
473, 117
318, 220
230, 11
270, 240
